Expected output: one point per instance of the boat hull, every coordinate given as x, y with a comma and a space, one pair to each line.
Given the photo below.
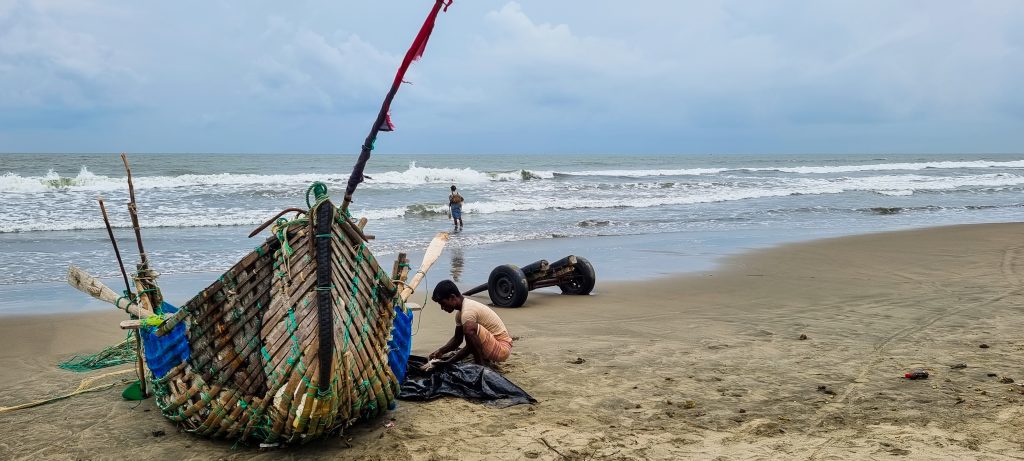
291, 343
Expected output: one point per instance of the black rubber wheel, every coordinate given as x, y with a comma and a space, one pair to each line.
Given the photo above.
507, 286
583, 279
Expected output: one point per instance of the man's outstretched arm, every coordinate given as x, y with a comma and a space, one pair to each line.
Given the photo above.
472, 345
451, 345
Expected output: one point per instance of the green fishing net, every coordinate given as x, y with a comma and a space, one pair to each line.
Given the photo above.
118, 354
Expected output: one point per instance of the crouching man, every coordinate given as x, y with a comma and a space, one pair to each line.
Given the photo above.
487, 339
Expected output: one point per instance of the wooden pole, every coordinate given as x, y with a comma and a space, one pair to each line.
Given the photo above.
141, 365
381, 121
113, 242
134, 212
145, 295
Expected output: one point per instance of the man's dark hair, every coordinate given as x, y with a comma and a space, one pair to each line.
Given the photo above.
444, 289
453, 187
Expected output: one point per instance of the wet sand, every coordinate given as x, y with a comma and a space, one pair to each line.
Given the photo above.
704, 365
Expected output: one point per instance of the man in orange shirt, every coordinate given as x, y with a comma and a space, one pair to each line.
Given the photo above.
487, 339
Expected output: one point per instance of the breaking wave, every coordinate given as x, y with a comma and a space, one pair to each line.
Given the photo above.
86, 181
417, 175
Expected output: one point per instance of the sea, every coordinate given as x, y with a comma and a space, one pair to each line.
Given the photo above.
632, 216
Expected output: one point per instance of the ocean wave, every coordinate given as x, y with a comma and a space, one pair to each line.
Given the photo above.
416, 175
882, 210
974, 164
424, 210
696, 193
169, 217
836, 169
380, 213
594, 223
86, 181
413, 175
895, 193
644, 173
66, 223
508, 199
901, 166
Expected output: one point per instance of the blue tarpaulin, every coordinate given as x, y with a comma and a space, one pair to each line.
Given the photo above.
167, 351
400, 345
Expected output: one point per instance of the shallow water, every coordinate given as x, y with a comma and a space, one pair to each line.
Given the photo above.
632, 216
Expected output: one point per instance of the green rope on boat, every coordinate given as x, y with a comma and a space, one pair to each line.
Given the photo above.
319, 191
119, 354
127, 297
282, 235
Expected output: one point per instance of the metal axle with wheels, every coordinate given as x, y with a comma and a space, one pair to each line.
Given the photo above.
508, 285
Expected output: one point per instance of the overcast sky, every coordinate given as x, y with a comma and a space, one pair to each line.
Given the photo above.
526, 76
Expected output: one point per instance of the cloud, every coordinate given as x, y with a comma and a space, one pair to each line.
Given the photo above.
54, 69
513, 76
546, 64
308, 72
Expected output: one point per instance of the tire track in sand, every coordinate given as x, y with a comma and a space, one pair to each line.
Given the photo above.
1008, 269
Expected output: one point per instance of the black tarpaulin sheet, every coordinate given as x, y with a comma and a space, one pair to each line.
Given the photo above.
464, 379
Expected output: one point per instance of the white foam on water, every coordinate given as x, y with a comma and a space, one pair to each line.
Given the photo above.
425, 175
645, 173
417, 175
86, 181
383, 213
896, 193
892, 167
567, 197
903, 166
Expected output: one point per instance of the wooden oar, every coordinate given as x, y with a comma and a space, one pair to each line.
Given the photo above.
429, 258
92, 286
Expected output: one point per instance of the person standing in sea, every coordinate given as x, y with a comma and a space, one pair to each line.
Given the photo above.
455, 205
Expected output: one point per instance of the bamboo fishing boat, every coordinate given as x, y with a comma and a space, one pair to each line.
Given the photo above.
301, 338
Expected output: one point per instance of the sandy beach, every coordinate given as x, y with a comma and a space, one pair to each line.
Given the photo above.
707, 365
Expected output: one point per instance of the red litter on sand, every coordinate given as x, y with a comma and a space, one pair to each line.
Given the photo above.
916, 374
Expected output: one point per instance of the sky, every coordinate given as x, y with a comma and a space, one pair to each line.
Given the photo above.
514, 77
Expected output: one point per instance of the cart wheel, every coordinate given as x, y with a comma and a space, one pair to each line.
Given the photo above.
583, 279
507, 286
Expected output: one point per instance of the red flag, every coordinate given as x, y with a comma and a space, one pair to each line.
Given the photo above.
419, 45
383, 121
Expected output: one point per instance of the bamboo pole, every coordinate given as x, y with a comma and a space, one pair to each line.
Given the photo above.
127, 291
381, 122
113, 242
148, 299
148, 295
